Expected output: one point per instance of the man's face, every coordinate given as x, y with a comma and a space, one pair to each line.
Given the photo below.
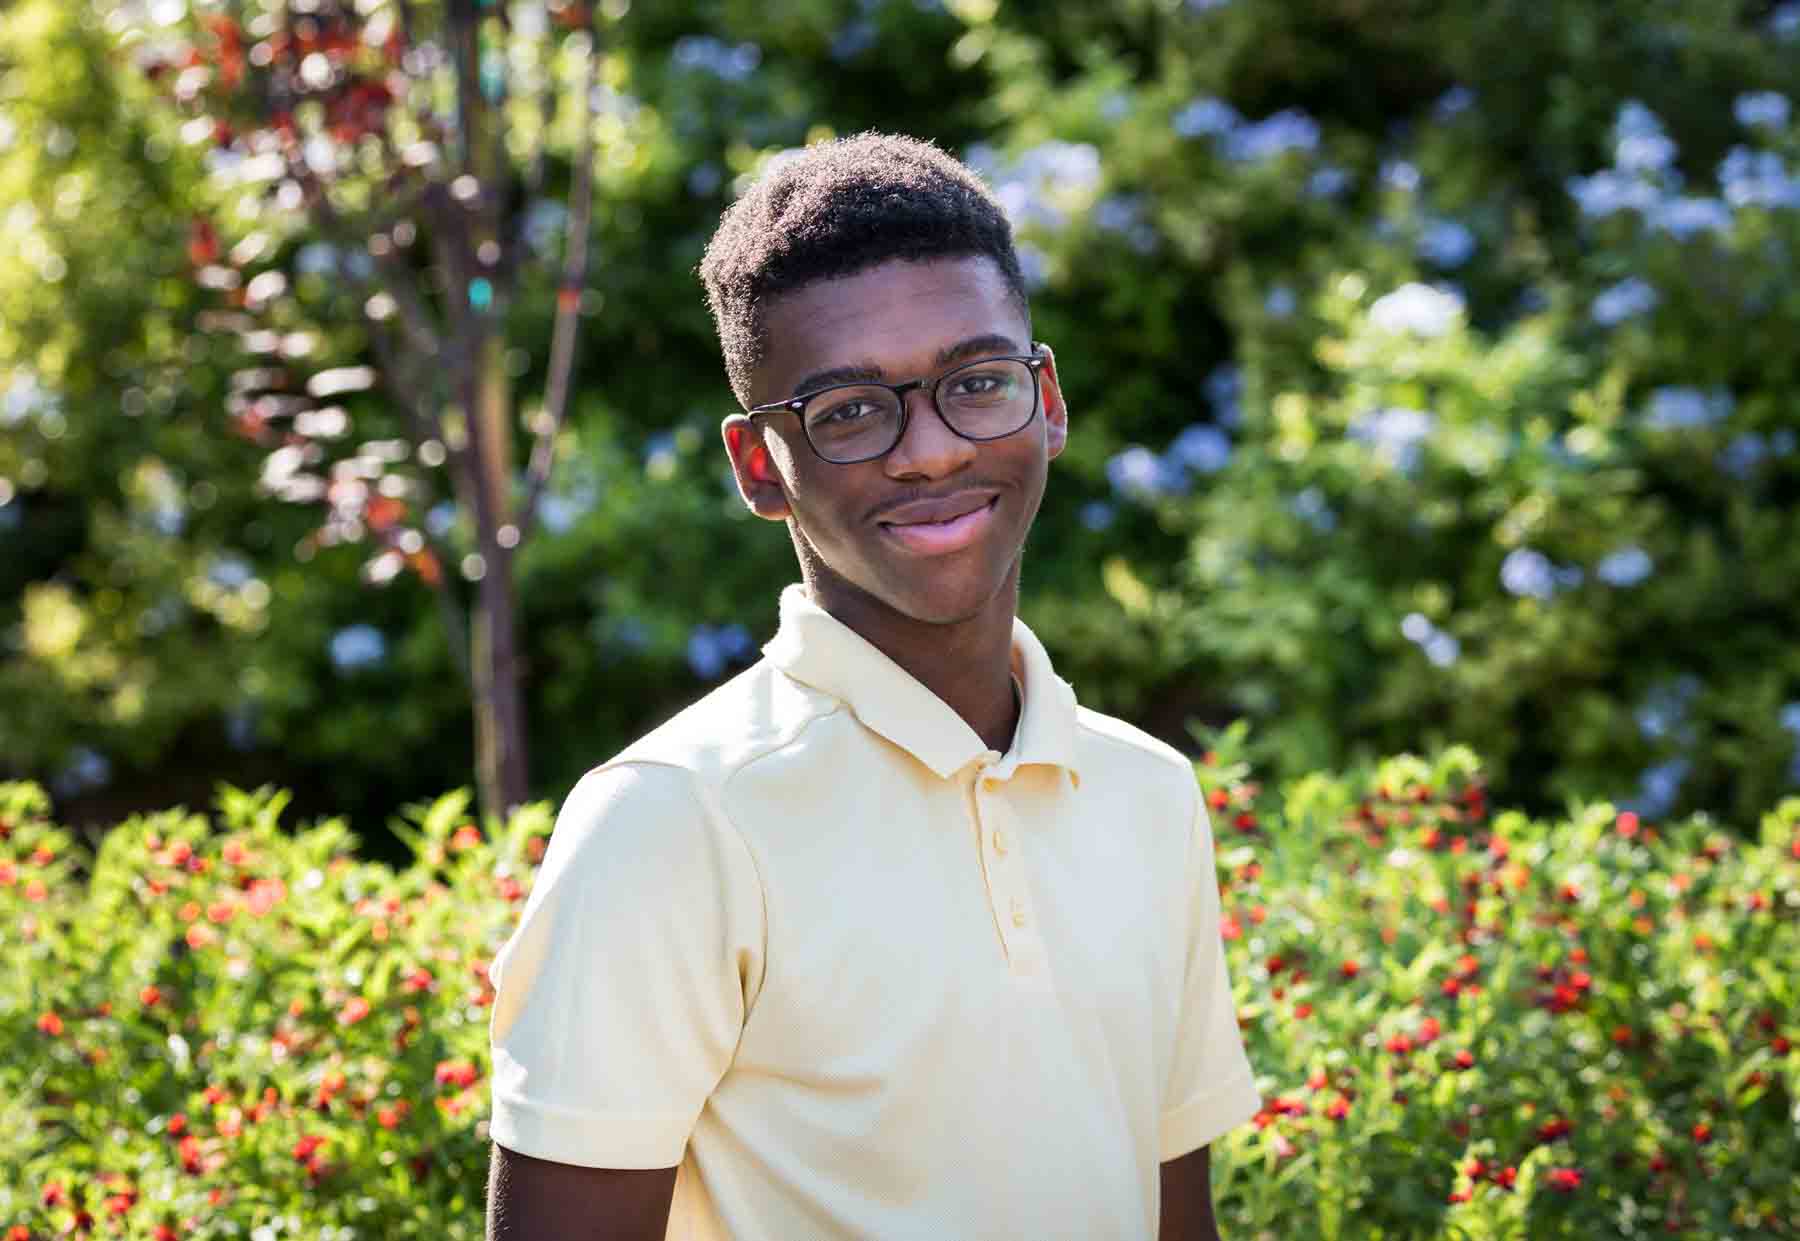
933, 530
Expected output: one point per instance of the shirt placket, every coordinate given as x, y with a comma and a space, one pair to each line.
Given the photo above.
1003, 869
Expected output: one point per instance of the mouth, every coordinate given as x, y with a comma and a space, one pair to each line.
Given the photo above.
946, 533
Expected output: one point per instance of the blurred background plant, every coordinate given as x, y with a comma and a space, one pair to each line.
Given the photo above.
1431, 369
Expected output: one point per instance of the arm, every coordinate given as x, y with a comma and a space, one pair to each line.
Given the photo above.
1187, 1210
537, 1200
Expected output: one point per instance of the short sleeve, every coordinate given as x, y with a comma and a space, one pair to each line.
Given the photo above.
1211, 1087
621, 994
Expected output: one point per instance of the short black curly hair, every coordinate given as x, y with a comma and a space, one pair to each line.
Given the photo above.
834, 209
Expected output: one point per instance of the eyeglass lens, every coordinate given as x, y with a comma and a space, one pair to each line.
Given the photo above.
984, 400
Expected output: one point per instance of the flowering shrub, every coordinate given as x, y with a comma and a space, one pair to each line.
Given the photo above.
1465, 1024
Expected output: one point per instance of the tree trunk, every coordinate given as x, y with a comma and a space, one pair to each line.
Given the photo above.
502, 771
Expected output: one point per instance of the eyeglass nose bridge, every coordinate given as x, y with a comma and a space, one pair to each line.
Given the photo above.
901, 391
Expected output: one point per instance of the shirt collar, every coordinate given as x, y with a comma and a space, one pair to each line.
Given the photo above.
815, 648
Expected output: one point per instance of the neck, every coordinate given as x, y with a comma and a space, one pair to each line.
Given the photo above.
967, 663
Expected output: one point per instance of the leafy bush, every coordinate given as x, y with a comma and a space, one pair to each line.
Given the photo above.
1465, 1024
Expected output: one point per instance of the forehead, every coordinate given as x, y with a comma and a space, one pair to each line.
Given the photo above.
896, 317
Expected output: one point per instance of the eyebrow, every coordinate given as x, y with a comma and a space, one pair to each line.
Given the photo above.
863, 372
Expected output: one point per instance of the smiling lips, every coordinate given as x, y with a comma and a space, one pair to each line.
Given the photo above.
934, 527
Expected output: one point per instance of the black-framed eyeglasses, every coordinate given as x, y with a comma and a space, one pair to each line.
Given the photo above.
988, 399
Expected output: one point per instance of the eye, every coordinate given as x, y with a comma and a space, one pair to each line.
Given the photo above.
843, 412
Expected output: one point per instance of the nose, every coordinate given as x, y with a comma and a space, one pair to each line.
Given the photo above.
929, 448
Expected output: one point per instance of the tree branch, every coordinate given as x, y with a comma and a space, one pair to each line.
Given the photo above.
568, 295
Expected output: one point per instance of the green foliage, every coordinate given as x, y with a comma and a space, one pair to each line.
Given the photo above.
1578, 552
1464, 1025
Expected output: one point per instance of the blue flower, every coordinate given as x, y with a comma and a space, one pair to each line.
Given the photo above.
1785, 20
1395, 433
1606, 193
1625, 567
1446, 243
1741, 457
1658, 787
1034, 265
1224, 387
853, 40
1684, 408
1287, 130
1205, 117
1625, 300
1763, 109
1440, 648
229, 572
357, 646
717, 57
1280, 302
1398, 174
1757, 179
1528, 572
1329, 181
1206, 6
1664, 710
1140, 474
711, 649
1790, 717
1310, 506
1202, 448
1453, 102
86, 769
1683, 217
1097, 514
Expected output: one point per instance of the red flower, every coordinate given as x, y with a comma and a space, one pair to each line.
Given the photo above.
354, 1011
54, 1195
465, 837
1702, 1132
1350, 969
387, 1117
9, 875
1428, 1030
418, 980
1218, 799
1230, 928
50, 1024
1568, 1180
1338, 1108
1465, 1059
1556, 1127
1506, 1177
1400, 1044
150, 997
188, 1151
304, 1148
177, 1123
460, 1073
1627, 825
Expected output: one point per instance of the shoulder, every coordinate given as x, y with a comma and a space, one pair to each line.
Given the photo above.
756, 712
1112, 745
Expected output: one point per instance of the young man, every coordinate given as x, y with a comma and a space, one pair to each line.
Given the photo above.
886, 937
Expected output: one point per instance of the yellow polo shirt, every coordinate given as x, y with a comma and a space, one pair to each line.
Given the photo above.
861, 976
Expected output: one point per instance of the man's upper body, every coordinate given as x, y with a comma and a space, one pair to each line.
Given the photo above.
886, 937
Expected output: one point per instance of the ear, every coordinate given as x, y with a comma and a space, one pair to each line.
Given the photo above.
758, 482
1056, 411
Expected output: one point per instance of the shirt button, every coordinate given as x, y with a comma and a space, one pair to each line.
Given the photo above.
1000, 843
990, 784
1018, 913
